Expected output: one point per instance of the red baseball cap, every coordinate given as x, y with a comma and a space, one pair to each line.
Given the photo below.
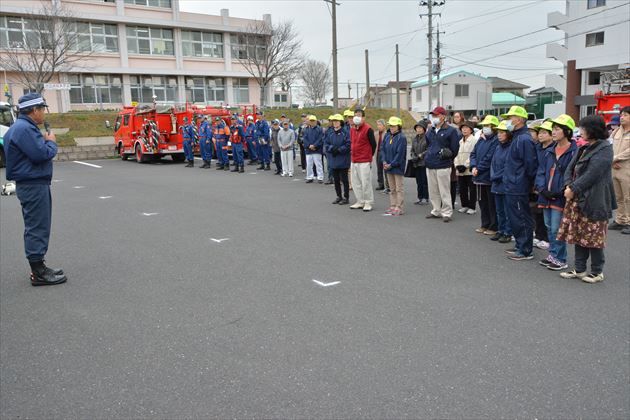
438, 110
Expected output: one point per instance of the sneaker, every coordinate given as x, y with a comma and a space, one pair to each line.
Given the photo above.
511, 251
626, 230
546, 261
432, 216
424, 202
616, 226
309, 181
505, 239
463, 210
356, 206
542, 245
557, 265
573, 274
496, 237
389, 210
367, 207
593, 278
290, 175
520, 257
320, 181
490, 232
344, 202
535, 242
386, 191
480, 230
471, 211
397, 212
418, 202
283, 174
446, 219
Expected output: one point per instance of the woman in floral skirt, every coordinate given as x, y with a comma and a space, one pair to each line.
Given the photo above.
590, 200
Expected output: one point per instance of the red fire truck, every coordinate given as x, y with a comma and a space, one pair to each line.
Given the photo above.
151, 132
615, 93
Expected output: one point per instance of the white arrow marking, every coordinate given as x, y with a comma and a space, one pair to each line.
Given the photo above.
219, 240
149, 214
57, 180
105, 197
78, 187
87, 164
252, 173
326, 284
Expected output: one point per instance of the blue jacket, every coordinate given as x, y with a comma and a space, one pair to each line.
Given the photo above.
250, 132
555, 184
394, 152
540, 151
521, 164
497, 167
313, 136
188, 132
221, 136
339, 141
262, 129
481, 158
205, 131
447, 137
28, 155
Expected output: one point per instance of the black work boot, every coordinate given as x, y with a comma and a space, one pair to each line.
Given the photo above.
191, 163
44, 276
219, 167
56, 271
242, 169
262, 166
267, 167
226, 167
235, 168
205, 165
252, 162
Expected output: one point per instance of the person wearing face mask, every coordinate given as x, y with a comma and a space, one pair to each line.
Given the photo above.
497, 169
443, 146
550, 186
467, 190
520, 171
394, 153
480, 161
363, 147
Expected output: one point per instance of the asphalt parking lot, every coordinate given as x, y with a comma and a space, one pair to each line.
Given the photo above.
191, 294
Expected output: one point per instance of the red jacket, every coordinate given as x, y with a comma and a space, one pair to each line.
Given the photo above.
361, 149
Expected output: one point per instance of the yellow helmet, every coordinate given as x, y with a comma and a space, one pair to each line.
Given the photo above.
547, 125
336, 117
312, 118
517, 111
502, 126
394, 121
348, 113
330, 117
490, 120
565, 121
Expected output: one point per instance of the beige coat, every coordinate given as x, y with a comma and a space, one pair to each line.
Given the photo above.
466, 147
621, 147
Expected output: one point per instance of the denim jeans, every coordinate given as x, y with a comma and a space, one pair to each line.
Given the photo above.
557, 249
502, 219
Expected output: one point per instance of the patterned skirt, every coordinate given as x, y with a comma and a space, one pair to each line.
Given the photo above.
576, 228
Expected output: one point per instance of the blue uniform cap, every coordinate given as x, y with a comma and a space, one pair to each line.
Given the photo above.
31, 100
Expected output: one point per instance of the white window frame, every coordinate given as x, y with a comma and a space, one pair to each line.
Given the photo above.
167, 4
240, 88
99, 85
88, 35
209, 44
24, 32
591, 39
147, 35
144, 87
462, 87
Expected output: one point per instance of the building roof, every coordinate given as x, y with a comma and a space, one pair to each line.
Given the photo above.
506, 98
401, 85
499, 83
424, 82
542, 90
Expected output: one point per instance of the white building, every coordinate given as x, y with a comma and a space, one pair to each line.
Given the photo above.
456, 91
597, 34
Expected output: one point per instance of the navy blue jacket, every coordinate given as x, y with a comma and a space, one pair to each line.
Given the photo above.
481, 158
250, 132
338, 140
540, 151
205, 131
394, 152
313, 136
521, 164
497, 167
447, 137
555, 184
262, 129
29, 156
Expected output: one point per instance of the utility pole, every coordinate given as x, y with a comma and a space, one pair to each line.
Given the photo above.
430, 14
367, 78
334, 52
397, 85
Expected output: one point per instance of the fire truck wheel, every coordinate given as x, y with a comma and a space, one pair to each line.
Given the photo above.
121, 152
140, 158
178, 157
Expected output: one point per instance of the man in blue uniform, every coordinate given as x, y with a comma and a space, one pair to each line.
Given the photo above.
264, 142
237, 135
188, 134
221, 134
29, 157
205, 142
251, 140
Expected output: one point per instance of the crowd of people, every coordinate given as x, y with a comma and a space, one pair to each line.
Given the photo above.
537, 184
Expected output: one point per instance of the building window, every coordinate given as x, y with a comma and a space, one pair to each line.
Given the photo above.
245, 47
100, 1
152, 3
593, 77
596, 38
418, 95
590, 110
202, 44
241, 90
205, 89
595, 3
461, 90
150, 41
17, 32
97, 37
280, 97
95, 88
143, 88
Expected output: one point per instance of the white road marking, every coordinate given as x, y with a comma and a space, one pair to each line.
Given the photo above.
252, 173
87, 164
296, 180
105, 197
57, 180
219, 240
149, 214
386, 214
78, 187
326, 284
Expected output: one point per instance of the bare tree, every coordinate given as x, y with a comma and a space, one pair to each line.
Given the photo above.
269, 52
288, 80
317, 81
49, 45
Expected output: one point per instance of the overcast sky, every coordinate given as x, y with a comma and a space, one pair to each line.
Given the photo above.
472, 28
